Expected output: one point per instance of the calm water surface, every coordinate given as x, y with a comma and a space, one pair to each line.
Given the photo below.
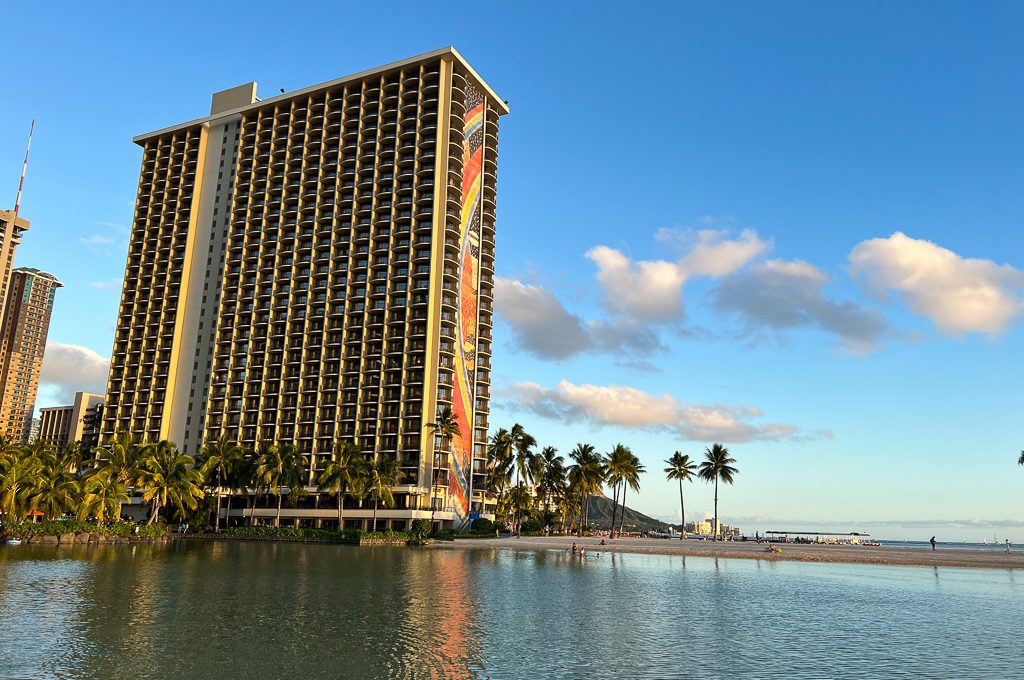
241, 610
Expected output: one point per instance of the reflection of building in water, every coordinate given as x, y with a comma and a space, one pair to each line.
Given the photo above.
443, 609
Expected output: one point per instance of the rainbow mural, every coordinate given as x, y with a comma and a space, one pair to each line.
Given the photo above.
463, 398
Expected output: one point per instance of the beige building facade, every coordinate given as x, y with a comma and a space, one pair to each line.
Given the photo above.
78, 422
26, 323
318, 267
11, 230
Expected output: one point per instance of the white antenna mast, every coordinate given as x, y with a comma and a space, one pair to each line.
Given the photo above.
24, 168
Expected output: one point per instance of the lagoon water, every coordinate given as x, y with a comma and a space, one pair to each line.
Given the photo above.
275, 610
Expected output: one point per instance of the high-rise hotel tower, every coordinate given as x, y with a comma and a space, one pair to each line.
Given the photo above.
26, 323
318, 267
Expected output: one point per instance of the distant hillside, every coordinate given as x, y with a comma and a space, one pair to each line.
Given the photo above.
601, 517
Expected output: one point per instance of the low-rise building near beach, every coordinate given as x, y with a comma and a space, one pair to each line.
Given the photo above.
78, 422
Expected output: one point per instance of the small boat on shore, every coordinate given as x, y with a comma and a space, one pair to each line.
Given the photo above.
13, 541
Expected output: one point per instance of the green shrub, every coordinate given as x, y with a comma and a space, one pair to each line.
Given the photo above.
352, 534
445, 535
27, 529
152, 530
531, 526
482, 525
388, 535
420, 527
291, 532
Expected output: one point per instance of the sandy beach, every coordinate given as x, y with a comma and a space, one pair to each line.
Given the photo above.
885, 555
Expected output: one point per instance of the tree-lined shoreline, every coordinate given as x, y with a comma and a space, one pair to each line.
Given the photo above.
533, 489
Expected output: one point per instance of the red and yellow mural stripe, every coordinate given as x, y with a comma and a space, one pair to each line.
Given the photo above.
469, 281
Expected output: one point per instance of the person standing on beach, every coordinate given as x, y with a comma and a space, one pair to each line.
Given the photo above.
1008, 546
932, 542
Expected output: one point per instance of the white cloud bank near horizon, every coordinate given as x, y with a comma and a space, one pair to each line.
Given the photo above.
71, 368
622, 406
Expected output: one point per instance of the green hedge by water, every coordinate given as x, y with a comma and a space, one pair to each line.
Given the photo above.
318, 534
118, 529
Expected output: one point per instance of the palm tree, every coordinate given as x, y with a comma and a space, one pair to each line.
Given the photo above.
103, 495
522, 447
71, 456
585, 478
717, 465
294, 474
382, 472
445, 427
630, 479
1020, 461
552, 474
519, 497
220, 456
17, 475
682, 469
56, 489
341, 473
169, 479
265, 469
243, 476
122, 457
499, 465
8, 447
616, 465
280, 466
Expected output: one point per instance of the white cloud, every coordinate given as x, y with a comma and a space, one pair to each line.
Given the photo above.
652, 290
959, 295
541, 326
73, 368
539, 322
715, 255
623, 406
780, 295
95, 240
107, 286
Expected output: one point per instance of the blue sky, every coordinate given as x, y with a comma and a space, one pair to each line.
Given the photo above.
796, 228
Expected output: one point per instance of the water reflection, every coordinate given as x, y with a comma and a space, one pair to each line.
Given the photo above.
276, 610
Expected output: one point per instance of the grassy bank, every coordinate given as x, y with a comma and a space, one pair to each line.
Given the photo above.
310, 535
73, 531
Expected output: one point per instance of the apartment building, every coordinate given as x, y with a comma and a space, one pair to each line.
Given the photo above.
26, 323
317, 267
11, 230
78, 422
